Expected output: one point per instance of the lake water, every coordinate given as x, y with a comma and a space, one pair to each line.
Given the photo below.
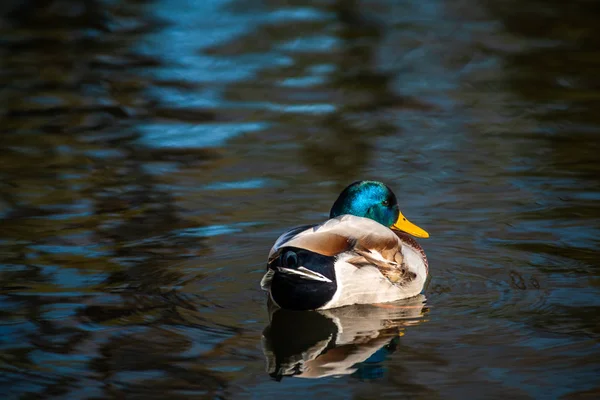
152, 151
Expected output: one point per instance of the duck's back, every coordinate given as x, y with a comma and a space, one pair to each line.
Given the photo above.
338, 235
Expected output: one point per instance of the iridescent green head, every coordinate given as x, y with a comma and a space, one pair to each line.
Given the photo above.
374, 200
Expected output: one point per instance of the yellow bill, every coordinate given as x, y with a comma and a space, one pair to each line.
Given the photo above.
404, 225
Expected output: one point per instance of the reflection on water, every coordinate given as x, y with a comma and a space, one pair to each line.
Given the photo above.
348, 340
152, 151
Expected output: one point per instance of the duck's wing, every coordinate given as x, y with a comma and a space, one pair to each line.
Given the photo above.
410, 242
370, 242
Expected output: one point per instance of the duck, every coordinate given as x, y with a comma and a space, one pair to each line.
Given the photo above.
365, 253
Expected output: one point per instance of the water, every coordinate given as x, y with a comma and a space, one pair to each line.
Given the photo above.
152, 151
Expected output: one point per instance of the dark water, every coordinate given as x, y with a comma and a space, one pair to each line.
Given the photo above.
152, 151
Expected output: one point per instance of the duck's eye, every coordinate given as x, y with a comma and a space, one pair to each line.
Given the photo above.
290, 260
386, 203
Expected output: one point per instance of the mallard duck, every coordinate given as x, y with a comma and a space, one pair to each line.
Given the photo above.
361, 255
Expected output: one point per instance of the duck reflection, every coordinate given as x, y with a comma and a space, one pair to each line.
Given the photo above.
342, 341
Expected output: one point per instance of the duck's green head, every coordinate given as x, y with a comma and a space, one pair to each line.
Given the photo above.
374, 200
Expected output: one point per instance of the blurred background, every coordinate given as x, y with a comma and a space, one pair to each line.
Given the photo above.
152, 151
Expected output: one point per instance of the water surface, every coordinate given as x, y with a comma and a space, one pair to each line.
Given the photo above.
152, 151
